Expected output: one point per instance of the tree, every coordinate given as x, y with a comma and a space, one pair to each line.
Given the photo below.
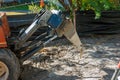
96, 5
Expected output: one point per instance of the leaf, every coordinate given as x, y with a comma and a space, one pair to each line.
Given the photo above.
97, 15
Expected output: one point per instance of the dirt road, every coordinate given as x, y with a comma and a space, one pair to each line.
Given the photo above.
60, 60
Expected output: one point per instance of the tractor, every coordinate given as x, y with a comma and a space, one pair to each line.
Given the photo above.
14, 50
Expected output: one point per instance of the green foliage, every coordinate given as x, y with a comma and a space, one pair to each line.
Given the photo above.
34, 8
53, 4
97, 6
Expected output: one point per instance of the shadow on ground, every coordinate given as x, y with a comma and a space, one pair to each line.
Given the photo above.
109, 72
32, 73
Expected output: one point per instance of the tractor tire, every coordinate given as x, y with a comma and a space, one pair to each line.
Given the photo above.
9, 65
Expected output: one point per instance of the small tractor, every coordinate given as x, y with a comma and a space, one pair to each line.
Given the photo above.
14, 50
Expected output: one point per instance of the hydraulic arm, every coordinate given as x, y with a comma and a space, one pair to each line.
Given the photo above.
57, 26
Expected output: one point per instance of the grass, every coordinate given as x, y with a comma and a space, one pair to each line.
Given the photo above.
17, 7
21, 9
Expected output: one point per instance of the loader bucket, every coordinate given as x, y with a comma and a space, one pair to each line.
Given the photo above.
69, 31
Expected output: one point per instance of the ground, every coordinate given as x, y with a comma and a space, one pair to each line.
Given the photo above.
60, 60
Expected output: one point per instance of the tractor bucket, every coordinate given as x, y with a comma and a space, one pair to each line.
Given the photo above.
69, 31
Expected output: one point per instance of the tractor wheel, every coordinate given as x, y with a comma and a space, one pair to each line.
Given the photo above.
9, 65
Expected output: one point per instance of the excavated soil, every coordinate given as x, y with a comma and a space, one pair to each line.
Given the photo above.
60, 60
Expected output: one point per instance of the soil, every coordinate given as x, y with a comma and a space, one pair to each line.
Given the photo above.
60, 60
